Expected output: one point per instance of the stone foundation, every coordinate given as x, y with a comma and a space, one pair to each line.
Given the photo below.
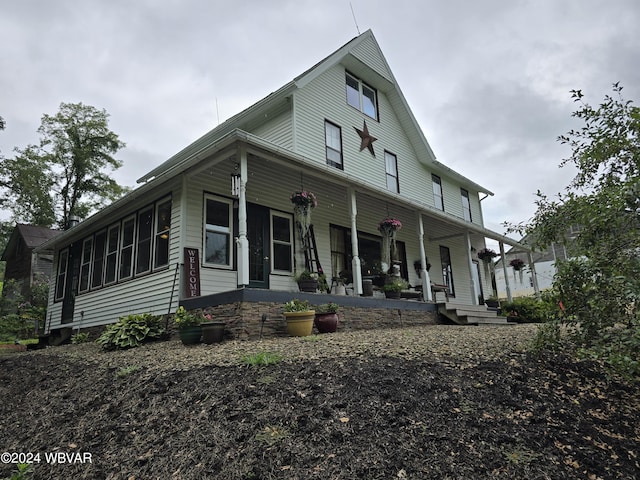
244, 319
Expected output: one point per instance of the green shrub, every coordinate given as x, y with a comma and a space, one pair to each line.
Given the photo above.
82, 337
547, 337
131, 331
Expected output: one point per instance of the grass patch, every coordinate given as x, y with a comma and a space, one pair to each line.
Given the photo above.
125, 371
261, 358
312, 338
271, 434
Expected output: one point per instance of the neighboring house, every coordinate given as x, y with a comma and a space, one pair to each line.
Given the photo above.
216, 218
521, 283
23, 264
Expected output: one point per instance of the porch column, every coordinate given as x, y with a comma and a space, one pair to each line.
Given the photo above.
470, 264
424, 274
534, 275
355, 261
504, 269
242, 243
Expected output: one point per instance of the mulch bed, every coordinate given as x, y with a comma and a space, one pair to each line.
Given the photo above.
432, 402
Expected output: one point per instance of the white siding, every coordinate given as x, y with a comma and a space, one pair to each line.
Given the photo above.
277, 130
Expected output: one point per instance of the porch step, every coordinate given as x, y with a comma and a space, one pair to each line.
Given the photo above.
471, 314
59, 336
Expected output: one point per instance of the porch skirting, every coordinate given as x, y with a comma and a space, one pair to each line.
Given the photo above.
244, 309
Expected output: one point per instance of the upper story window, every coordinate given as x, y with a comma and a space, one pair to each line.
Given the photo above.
466, 205
333, 142
438, 199
391, 167
361, 96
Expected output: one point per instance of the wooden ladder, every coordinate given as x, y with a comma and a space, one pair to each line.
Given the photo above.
310, 248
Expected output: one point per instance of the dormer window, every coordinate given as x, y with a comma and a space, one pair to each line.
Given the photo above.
361, 96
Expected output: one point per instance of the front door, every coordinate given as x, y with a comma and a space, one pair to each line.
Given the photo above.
71, 287
258, 236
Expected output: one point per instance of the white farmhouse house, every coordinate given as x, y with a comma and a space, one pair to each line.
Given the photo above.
215, 225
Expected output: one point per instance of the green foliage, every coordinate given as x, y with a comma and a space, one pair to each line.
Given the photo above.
395, 285
187, 318
261, 358
599, 286
272, 434
18, 318
327, 308
296, 305
66, 174
126, 371
531, 309
23, 471
82, 337
547, 337
619, 348
131, 331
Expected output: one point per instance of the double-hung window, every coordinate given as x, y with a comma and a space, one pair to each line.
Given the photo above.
98, 259
217, 244
466, 205
111, 258
438, 199
163, 228
126, 249
282, 243
361, 96
61, 281
145, 237
391, 167
333, 142
85, 264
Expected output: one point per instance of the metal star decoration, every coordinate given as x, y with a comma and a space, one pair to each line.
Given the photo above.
367, 139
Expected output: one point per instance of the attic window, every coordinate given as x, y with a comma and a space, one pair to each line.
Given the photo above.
361, 96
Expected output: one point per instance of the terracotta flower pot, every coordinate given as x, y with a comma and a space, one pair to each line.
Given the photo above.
326, 322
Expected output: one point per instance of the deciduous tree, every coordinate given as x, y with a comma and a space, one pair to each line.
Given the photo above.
67, 174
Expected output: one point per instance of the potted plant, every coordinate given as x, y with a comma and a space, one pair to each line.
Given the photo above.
517, 264
326, 319
492, 302
212, 330
486, 255
307, 281
393, 288
299, 316
189, 327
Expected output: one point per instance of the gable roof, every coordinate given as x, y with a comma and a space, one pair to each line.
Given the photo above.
32, 235
351, 55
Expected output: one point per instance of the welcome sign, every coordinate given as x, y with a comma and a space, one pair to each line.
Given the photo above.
192, 272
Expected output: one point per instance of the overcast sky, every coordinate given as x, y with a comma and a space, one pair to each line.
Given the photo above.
487, 80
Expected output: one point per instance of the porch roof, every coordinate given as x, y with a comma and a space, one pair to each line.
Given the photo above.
216, 151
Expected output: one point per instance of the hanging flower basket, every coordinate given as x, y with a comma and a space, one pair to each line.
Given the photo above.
486, 255
388, 227
304, 199
303, 202
517, 264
